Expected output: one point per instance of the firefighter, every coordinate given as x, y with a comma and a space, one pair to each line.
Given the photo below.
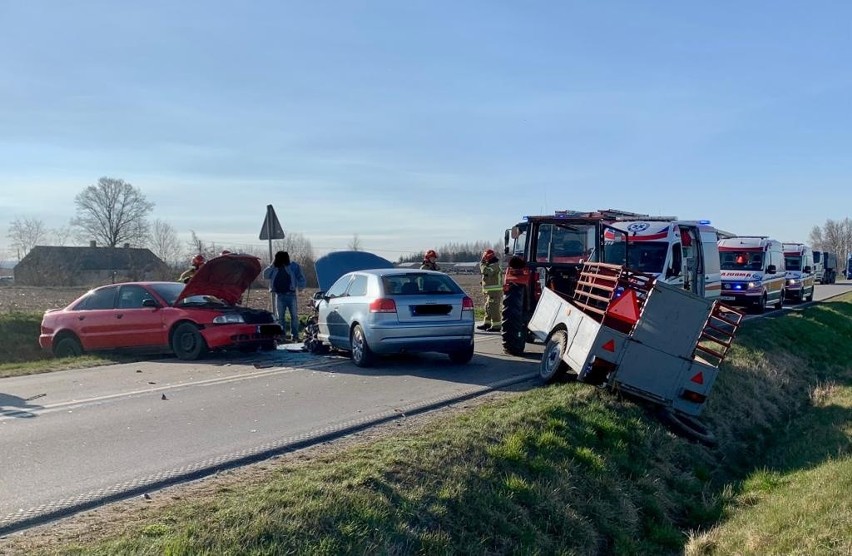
196, 262
492, 287
430, 259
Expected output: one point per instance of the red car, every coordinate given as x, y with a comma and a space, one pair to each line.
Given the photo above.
187, 319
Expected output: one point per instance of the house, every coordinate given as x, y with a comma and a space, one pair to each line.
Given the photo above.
89, 266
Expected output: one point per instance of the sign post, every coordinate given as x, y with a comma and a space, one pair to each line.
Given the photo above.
271, 229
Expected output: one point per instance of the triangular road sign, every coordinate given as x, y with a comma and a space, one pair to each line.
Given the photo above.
271, 226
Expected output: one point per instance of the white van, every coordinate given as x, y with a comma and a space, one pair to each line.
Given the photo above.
801, 278
679, 252
753, 272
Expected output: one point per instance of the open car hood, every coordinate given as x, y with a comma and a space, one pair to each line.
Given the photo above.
334, 265
226, 277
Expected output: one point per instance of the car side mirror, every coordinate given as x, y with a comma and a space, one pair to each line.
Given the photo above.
771, 269
319, 296
150, 303
807, 270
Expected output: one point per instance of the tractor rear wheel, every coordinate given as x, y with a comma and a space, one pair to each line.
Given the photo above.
513, 328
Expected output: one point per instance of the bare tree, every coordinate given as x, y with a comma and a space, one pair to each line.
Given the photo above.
164, 242
355, 244
25, 234
61, 235
112, 212
836, 237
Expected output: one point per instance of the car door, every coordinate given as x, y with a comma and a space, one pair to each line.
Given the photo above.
329, 320
351, 308
94, 319
135, 324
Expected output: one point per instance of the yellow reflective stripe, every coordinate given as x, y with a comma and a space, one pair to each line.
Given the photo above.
492, 288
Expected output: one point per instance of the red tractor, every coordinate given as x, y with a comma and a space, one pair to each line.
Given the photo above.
549, 251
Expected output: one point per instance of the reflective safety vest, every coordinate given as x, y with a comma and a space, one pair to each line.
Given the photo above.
492, 277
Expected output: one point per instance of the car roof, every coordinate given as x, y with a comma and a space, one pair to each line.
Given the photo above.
395, 271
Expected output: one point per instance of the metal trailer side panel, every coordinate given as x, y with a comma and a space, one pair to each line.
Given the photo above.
699, 378
672, 320
577, 354
548, 309
649, 372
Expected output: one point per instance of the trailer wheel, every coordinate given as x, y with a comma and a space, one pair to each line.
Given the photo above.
552, 367
513, 328
687, 426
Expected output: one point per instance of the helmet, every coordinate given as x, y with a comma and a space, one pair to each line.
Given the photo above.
430, 253
487, 254
198, 260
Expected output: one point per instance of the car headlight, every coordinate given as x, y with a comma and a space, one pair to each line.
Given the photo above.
752, 285
792, 281
229, 318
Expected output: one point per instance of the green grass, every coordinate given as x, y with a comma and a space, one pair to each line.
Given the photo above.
560, 470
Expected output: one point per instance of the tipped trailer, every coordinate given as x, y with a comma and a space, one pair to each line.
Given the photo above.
636, 334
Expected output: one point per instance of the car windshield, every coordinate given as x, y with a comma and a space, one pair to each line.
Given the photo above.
556, 243
817, 256
793, 263
419, 283
741, 260
644, 256
170, 293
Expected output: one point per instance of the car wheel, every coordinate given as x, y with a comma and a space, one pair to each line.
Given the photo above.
187, 342
362, 356
68, 346
780, 303
686, 426
513, 329
552, 367
760, 308
462, 356
810, 296
269, 345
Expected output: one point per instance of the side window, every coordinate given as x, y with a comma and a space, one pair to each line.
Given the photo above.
101, 299
358, 286
132, 297
337, 289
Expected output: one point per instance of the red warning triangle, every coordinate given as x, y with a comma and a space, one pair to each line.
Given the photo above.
625, 308
609, 346
698, 378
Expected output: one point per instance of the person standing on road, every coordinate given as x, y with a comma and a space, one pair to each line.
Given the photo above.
430, 260
492, 287
197, 261
285, 280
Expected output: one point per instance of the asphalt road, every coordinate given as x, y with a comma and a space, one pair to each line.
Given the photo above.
77, 439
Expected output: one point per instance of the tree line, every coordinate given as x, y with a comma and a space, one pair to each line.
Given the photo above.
835, 236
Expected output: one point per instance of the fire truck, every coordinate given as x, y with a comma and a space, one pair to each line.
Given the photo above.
548, 252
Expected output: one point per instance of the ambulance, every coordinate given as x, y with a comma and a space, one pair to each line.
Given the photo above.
753, 272
682, 253
801, 278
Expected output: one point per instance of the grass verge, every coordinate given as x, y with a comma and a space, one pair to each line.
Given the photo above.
566, 469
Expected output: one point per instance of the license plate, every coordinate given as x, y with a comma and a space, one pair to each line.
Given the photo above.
727, 298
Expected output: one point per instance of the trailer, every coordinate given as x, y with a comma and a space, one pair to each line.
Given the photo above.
637, 335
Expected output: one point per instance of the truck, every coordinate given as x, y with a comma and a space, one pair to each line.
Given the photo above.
825, 267
799, 265
636, 334
548, 251
753, 272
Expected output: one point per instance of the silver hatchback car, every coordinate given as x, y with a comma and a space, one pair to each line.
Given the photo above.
394, 310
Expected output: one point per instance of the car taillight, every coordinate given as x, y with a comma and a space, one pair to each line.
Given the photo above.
383, 305
467, 304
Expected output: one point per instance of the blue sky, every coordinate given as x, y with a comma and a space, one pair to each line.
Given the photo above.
415, 124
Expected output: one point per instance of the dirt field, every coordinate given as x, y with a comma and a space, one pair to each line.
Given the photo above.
37, 300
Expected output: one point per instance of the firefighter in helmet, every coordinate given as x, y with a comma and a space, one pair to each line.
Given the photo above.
196, 263
430, 259
492, 287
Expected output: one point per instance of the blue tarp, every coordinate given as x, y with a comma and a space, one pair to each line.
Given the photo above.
334, 265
